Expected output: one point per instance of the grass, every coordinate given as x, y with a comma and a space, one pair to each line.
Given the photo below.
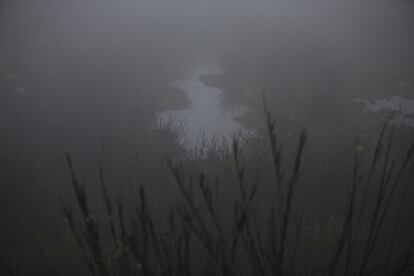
210, 232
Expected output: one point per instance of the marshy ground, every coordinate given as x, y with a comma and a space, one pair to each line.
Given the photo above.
206, 138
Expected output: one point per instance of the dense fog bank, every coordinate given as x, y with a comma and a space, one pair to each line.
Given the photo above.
89, 78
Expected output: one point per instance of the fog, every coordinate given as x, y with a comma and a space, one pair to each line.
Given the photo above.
127, 85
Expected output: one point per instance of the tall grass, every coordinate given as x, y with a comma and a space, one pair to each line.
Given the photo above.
200, 239
207, 233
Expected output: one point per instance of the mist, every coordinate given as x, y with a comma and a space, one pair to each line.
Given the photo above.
308, 102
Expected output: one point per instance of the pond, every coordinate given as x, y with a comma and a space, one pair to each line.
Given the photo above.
402, 108
205, 121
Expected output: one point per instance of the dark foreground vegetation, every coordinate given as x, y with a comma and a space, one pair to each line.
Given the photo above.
257, 231
89, 77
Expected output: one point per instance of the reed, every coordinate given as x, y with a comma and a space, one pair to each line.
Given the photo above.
209, 233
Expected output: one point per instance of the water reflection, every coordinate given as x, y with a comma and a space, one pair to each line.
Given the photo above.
204, 121
403, 108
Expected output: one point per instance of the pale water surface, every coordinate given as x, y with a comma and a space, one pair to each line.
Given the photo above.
205, 121
403, 108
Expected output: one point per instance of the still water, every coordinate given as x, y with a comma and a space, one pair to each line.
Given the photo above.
402, 108
205, 120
